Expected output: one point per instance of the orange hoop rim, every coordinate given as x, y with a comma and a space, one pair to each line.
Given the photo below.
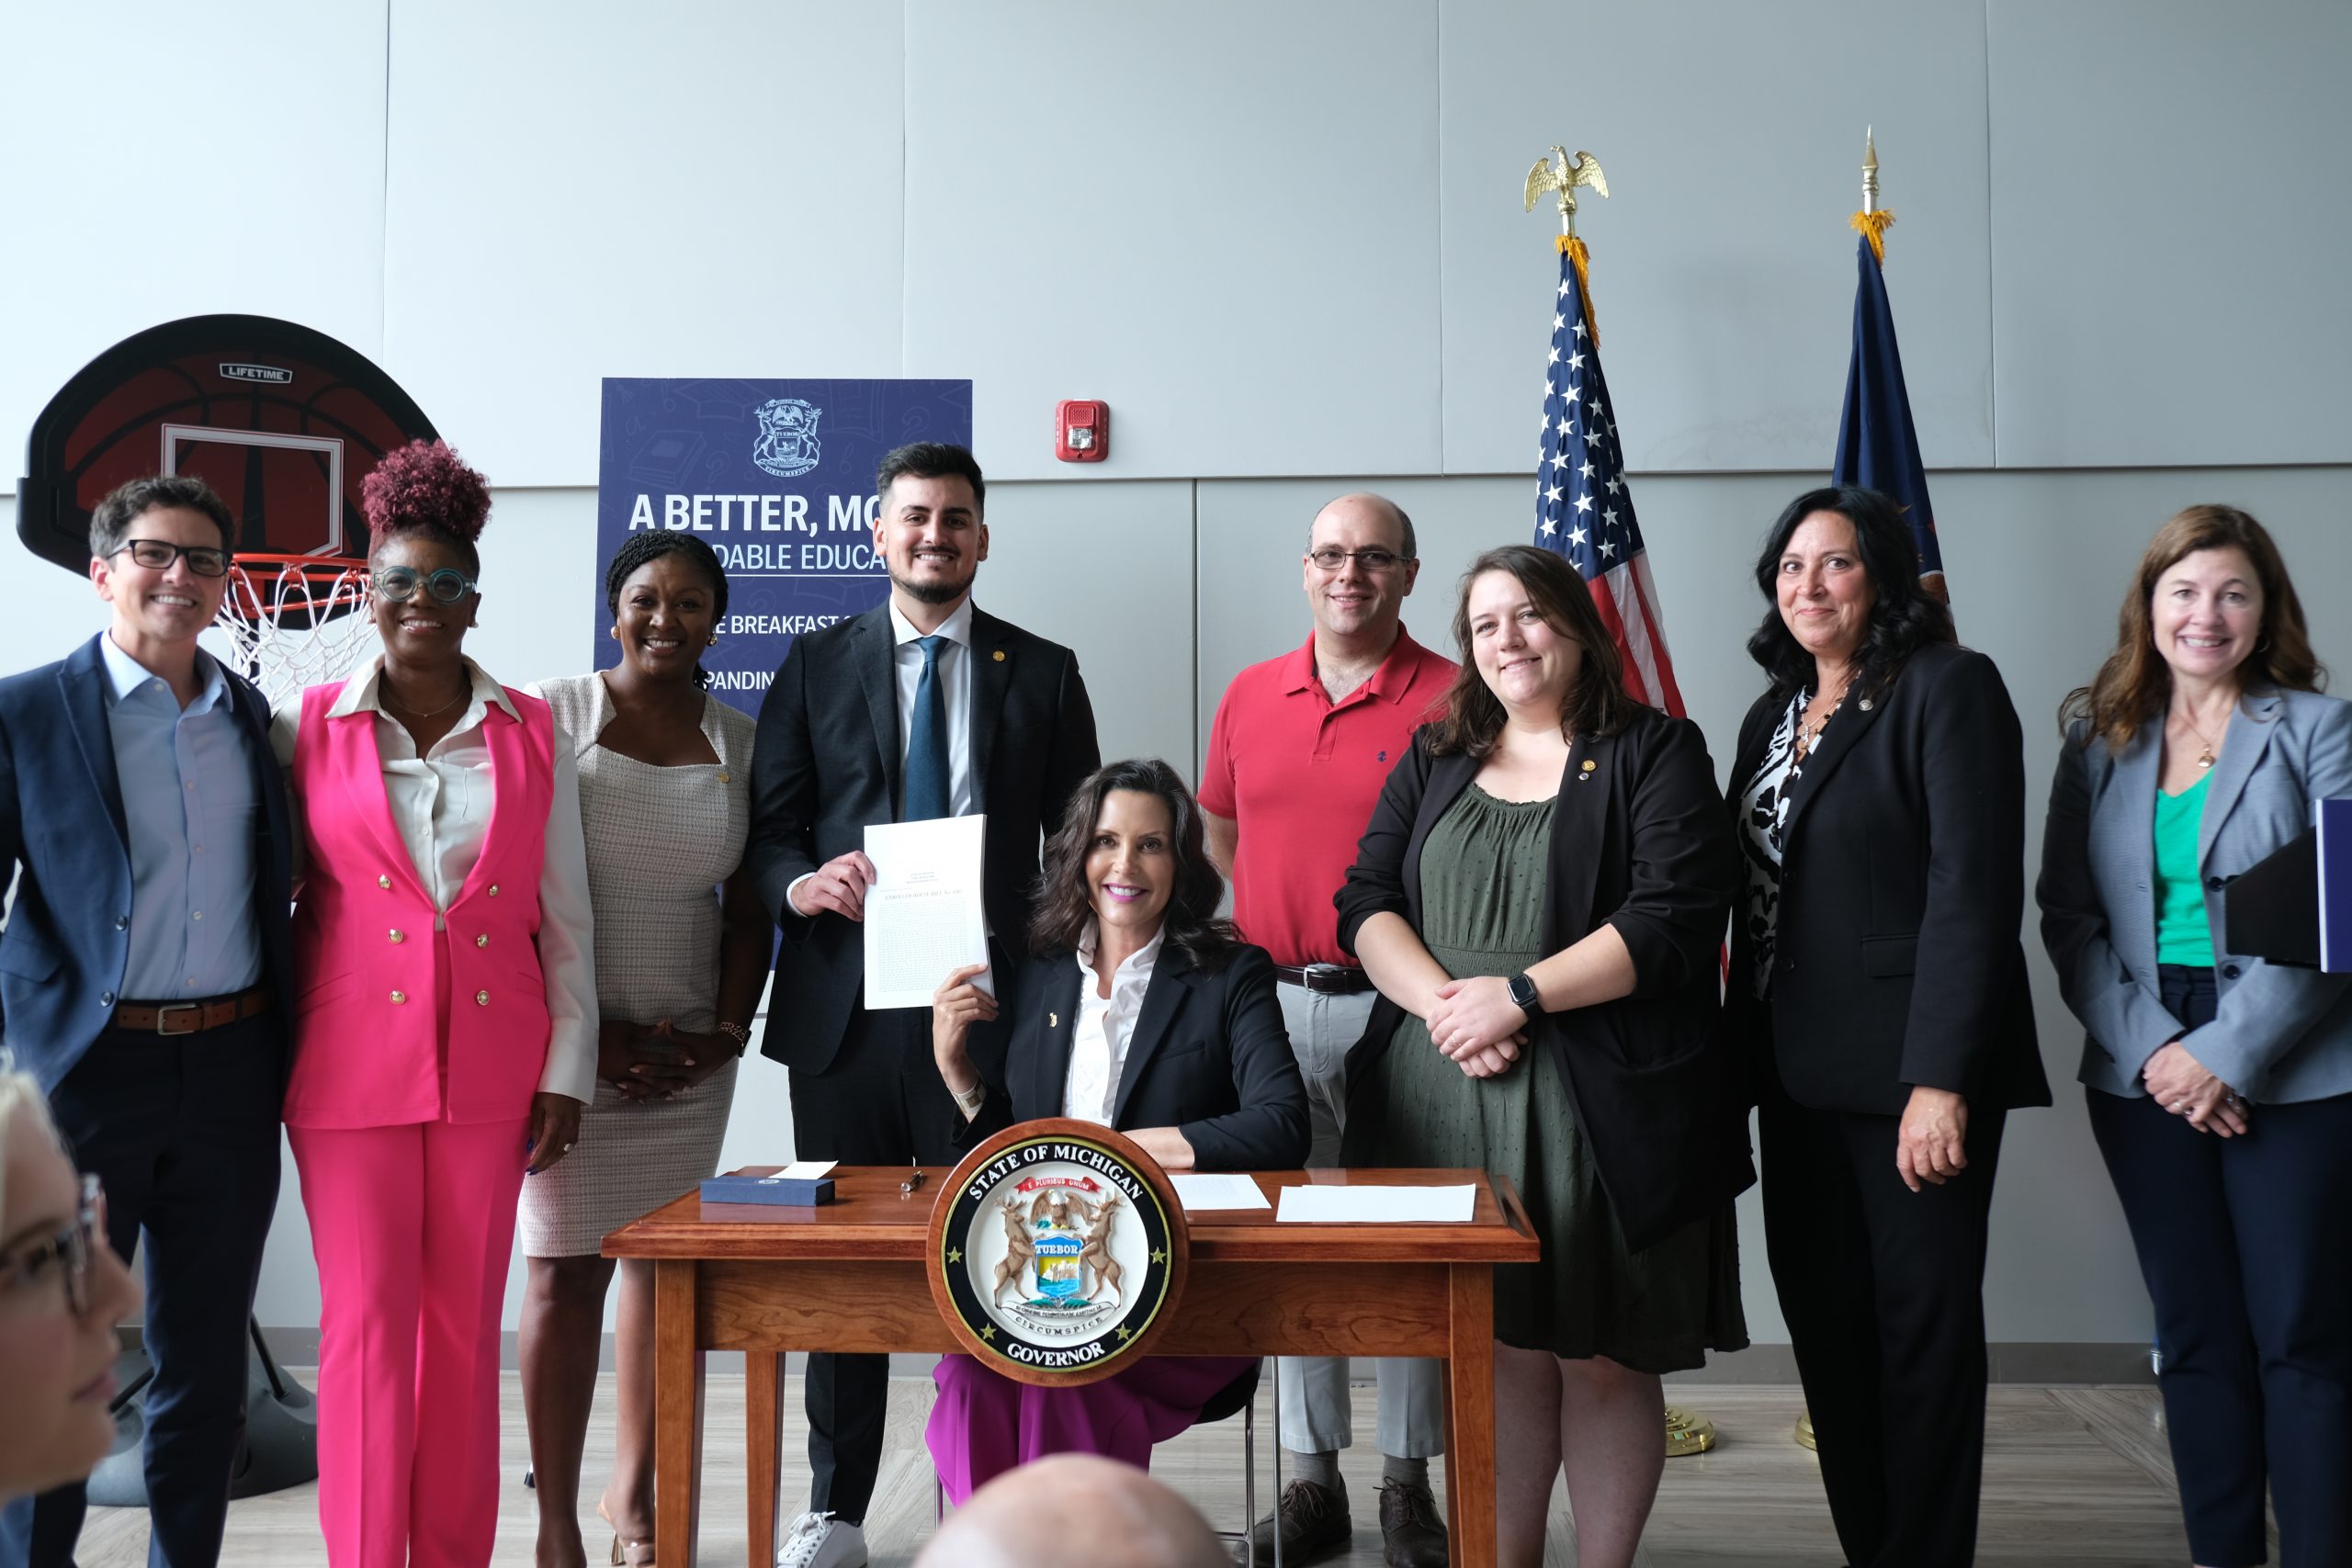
325, 565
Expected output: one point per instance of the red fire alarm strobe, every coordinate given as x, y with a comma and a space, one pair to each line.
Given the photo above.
1081, 430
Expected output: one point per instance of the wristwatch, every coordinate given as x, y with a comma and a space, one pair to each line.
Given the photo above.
972, 1100
1523, 994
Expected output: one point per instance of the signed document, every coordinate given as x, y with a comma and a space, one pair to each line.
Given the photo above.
923, 915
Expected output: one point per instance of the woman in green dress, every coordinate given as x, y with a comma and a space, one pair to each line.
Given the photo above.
1540, 899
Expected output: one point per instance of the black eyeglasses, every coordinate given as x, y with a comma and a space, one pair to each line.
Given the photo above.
400, 584
1332, 558
67, 1253
157, 555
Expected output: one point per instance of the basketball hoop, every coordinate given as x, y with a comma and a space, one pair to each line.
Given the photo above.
296, 621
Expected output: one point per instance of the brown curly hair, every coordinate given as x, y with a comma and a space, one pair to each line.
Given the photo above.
2134, 683
425, 490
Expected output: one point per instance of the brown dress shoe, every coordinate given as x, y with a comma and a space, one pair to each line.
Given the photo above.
1314, 1522
1411, 1535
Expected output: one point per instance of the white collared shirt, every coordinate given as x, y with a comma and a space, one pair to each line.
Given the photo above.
441, 805
955, 691
1098, 1042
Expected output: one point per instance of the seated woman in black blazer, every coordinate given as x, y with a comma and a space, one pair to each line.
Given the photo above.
1541, 897
1145, 1012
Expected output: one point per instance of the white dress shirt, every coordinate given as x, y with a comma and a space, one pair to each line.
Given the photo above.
1098, 1044
954, 691
441, 805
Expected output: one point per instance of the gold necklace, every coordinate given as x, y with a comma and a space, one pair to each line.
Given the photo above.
2205, 756
425, 713
1809, 731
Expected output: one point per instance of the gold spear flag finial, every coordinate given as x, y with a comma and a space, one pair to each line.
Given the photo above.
1873, 220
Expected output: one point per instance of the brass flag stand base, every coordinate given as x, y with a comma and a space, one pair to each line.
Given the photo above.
1804, 1431
1686, 1432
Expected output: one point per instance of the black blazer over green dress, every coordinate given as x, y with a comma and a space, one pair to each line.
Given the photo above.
1638, 841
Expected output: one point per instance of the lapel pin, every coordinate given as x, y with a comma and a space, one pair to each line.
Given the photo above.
1866, 704
1589, 766
999, 655
1053, 1020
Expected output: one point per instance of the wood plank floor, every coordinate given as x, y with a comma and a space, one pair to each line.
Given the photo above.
2072, 1475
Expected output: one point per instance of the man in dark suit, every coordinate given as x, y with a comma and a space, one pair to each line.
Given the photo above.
144, 957
922, 708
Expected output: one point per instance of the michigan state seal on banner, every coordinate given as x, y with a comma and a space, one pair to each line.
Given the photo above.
1057, 1251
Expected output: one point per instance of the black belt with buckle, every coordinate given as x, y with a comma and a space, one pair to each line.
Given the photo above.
191, 1018
1332, 979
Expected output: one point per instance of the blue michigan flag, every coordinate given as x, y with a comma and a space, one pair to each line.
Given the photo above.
1877, 448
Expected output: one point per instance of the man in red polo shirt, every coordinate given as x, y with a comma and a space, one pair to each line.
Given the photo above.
1300, 749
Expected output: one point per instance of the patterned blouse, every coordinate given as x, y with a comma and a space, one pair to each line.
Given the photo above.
1764, 818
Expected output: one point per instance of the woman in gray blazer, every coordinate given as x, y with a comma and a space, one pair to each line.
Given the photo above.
2220, 1083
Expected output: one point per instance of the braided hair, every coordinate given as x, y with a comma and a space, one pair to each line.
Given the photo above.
425, 490
640, 548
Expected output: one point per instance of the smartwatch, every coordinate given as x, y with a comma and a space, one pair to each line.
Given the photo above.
1522, 995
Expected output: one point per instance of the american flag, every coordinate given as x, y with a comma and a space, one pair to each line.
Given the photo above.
1584, 509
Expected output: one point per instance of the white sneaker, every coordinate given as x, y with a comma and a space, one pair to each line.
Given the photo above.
821, 1540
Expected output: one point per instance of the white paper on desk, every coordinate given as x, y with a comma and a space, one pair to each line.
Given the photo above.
1334, 1205
924, 915
1196, 1189
806, 1170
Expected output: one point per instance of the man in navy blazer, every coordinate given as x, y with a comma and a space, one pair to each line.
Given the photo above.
142, 821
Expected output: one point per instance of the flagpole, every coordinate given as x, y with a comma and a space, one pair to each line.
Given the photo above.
1687, 1431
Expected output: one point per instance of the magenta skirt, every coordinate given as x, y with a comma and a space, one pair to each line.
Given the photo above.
985, 1423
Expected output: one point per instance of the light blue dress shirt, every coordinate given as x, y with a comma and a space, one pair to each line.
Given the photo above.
188, 802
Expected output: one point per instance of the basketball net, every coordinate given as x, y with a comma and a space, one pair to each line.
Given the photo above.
296, 621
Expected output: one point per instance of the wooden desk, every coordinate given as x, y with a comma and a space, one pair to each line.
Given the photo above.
849, 1277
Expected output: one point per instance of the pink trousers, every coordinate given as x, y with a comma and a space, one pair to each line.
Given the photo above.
413, 1227
984, 1423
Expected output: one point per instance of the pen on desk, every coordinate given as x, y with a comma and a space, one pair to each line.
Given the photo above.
913, 1180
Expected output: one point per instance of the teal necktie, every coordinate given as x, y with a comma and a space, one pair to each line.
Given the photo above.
926, 790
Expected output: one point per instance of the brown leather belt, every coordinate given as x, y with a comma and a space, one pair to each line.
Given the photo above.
191, 1018
1332, 979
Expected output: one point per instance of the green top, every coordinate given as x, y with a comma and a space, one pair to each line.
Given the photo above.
2183, 935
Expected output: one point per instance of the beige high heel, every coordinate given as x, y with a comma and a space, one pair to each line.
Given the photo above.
625, 1552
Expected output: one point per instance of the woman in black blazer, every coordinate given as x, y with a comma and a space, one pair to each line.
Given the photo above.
1143, 1011
1878, 989
1539, 898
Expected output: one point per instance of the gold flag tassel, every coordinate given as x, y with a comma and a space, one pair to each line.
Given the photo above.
1872, 226
1581, 258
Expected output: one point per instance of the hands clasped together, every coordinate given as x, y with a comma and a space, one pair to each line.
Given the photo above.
2180, 1083
1475, 1023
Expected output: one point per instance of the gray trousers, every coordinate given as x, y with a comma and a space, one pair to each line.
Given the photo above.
1315, 1416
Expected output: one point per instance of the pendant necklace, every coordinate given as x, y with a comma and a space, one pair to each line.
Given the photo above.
2205, 754
425, 713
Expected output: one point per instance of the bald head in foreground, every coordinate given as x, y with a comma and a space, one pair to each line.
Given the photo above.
1074, 1511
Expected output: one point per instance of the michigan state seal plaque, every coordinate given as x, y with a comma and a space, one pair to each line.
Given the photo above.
1057, 1251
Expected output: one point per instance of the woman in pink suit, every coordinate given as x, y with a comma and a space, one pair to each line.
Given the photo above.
444, 1028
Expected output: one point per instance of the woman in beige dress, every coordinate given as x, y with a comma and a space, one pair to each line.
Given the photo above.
664, 796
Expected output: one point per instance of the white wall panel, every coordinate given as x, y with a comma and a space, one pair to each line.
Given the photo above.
583, 190
2170, 231
161, 162
1218, 217
1722, 271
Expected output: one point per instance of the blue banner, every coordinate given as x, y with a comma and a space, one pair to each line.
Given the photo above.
775, 476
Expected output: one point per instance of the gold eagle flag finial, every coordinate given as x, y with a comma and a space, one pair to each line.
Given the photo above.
1564, 176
